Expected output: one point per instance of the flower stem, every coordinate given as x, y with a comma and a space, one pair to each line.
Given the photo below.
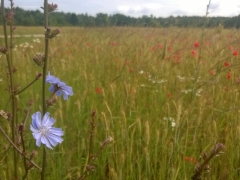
11, 87
43, 164
15, 147
23, 89
44, 107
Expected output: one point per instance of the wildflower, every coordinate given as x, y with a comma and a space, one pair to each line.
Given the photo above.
39, 59
211, 72
186, 91
226, 64
173, 123
141, 72
229, 75
52, 7
193, 53
181, 78
113, 44
199, 91
37, 40
196, 44
169, 95
43, 131
169, 48
153, 48
3, 50
160, 46
9, 15
131, 70
171, 120
51, 33
99, 90
235, 53
191, 159
59, 87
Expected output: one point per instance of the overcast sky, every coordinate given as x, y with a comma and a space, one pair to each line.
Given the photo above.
137, 8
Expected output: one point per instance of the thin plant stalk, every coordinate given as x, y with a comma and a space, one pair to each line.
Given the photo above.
37, 77
200, 49
44, 107
11, 34
15, 147
11, 87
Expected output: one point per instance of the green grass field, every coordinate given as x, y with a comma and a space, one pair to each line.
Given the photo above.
164, 98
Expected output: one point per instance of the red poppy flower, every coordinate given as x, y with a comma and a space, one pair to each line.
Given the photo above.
153, 48
178, 61
229, 75
131, 70
226, 64
196, 44
169, 95
99, 90
169, 48
211, 72
191, 159
160, 46
193, 53
113, 44
235, 53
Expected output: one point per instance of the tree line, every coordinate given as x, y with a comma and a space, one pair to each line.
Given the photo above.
35, 18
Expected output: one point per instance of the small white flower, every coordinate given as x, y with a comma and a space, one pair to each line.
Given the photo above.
141, 72
181, 78
36, 40
173, 124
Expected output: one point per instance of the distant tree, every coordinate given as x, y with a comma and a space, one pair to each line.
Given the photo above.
73, 19
101, 19
29, 21
36, 18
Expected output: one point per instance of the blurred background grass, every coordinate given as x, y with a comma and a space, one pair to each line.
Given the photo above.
160, 97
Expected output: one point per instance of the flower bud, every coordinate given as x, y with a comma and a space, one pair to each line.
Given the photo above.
9, 15
3, 50
39, 59
51, 101
107, 141
52, 7
51, 33
39, 75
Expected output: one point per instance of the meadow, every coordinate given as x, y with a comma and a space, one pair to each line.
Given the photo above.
165, 95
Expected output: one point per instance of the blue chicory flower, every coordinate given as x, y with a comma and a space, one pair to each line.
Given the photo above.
59, 87
43, 131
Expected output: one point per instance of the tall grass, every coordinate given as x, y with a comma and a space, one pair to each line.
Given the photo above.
142, 83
